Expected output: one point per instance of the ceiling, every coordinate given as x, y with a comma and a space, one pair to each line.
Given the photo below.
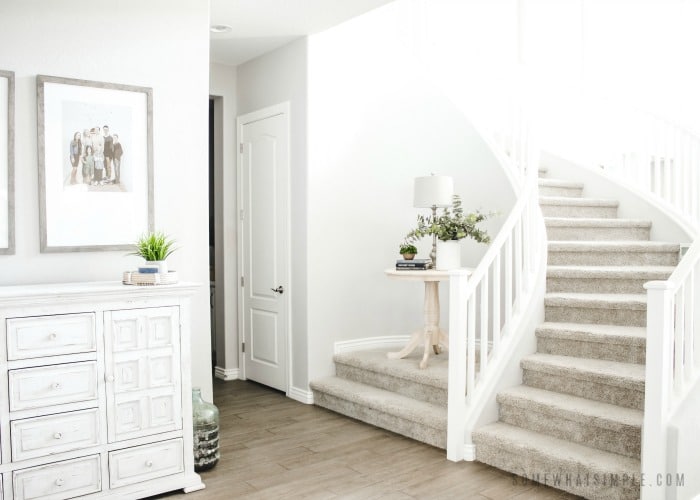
260, 26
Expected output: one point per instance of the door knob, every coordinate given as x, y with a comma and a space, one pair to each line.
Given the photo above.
279, 289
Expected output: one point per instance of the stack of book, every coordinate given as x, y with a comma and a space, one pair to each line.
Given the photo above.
414, 265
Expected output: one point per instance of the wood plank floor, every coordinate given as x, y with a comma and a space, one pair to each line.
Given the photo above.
274, 447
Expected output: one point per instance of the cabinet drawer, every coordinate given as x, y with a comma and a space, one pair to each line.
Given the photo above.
50, 335
52, 385
67, 479
35, 437
141, 463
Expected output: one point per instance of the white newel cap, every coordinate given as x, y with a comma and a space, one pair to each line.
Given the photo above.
433, 190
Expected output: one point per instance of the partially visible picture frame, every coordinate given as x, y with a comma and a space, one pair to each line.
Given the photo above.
7, 162
95, 148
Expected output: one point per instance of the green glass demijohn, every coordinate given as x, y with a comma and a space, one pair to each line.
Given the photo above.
205, 423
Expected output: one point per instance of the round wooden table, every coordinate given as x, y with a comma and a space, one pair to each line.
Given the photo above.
431, 333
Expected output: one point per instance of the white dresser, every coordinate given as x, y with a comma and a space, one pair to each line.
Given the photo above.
95, 391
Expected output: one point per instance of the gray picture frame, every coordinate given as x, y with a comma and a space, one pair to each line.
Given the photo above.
10, 178
57, 100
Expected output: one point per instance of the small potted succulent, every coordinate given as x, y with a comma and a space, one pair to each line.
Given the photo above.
154, 247
408, 251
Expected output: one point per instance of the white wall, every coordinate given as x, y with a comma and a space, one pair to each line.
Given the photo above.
158, 44
222, 87
375, 123
271, 79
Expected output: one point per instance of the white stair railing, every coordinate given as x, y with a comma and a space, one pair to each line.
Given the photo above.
486, 308
672, 362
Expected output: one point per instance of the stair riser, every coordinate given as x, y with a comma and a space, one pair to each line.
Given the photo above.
560, 191
623, 441
578, 212
592, 350
627, 396
571, 314
596, 285
408, 428
556, 258
593, 233
531, 467
422, 392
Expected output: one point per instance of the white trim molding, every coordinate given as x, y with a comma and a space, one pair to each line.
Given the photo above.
469, 452
390, 342
306, 397
227, 373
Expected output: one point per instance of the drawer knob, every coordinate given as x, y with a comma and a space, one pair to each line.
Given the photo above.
56, 385
149, 463
53, 336
109, 378
60, 481
57, 435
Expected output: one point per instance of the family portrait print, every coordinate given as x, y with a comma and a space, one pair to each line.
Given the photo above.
96, 140
95, 164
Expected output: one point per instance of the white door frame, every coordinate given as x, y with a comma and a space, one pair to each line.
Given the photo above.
261, 114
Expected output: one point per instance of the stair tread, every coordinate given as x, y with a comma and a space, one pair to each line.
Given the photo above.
573, 407
435, 374
625, 374
566, 452
598, 300
613, 246
634, 335
576, 271
547, 182
382, 400
594, 222
583, 202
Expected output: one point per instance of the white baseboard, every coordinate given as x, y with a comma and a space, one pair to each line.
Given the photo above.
306, 397
469, 452
227, 374
388, 342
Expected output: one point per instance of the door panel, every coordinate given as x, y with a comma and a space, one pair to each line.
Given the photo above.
264, 199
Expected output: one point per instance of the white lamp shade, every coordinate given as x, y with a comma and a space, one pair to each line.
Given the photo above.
433, 190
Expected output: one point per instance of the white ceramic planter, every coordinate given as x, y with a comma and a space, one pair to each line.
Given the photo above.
161, 265
448, 255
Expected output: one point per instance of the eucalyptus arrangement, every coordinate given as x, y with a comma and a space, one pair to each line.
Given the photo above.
453, 224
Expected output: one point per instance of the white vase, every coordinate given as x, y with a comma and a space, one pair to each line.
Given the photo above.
161, 265
448, 255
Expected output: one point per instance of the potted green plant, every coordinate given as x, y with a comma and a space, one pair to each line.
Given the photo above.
155, 247
450, 227
408, 251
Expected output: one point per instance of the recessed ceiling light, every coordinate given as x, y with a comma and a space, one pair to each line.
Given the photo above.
220, 28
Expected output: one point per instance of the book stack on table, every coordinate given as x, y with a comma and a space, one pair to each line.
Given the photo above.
414, 265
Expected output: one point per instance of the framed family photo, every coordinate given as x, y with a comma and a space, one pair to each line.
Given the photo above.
95, 145
7, 159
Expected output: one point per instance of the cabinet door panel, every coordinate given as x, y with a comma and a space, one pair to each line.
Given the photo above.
143, 389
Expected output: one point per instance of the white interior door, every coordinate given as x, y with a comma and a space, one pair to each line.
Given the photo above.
264, 204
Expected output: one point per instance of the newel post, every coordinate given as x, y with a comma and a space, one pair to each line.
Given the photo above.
658, 384
457, 371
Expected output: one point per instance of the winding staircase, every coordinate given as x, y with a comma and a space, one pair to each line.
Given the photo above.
575, 422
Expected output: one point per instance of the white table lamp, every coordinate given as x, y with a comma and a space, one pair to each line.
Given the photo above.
433, 191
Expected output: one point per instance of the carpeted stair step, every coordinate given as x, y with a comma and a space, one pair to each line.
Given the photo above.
613, 253
558, 187
563, 206
417, 420
564, 465
607, 381
604, 279
586, 229
608, 309
626, 344
599, 425
402, 376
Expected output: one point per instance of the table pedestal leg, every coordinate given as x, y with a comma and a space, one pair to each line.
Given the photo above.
432, 333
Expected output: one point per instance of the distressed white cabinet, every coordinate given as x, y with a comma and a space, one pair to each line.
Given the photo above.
95, 391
